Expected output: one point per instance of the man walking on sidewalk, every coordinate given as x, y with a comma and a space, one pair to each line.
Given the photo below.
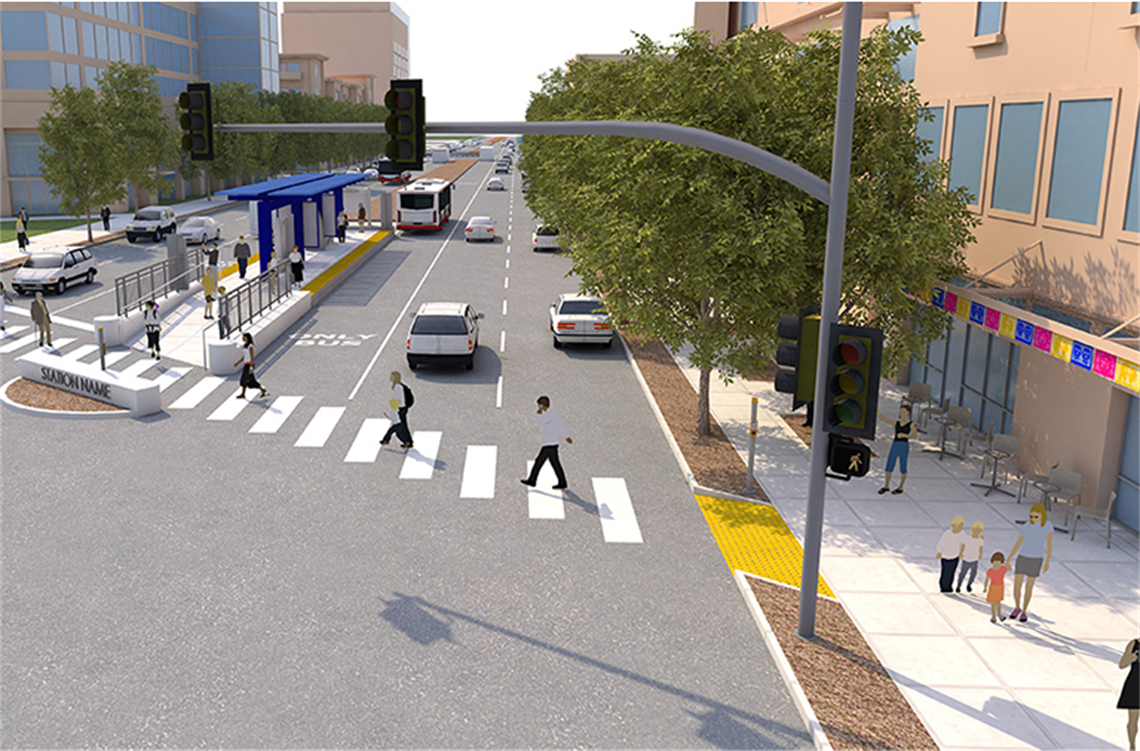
552, 429
950, 547
22, 233
41, 318
105, 215
241, 253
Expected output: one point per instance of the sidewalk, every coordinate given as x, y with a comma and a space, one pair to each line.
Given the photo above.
1050, 683
10, 254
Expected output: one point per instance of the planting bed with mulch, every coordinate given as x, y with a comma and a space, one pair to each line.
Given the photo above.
855, 699
32, 394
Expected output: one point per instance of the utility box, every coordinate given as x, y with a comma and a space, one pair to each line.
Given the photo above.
486, 153
178, 263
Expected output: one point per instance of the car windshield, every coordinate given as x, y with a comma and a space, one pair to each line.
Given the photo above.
413, 202
44, 261
480, 220
148, 216
194, 223
581, 307
546, 232
439, 325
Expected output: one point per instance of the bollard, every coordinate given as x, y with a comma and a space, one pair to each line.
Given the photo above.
751, 446
102, 350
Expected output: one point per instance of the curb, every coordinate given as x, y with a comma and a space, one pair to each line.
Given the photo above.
819, 738
56, 413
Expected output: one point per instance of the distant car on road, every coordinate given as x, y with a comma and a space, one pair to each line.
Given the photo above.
54, 269
443, 333
502, 166
495, 183
200, 229
545, 238
372, 172
155, 221
580, 319
479, 228
352, 171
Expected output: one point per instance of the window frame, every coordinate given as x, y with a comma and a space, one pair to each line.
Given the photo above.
948, 140
945, 105
1124, 235
985, 40
1044, 98
1066, 225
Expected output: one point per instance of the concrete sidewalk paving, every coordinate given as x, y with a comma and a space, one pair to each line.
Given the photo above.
1050, 683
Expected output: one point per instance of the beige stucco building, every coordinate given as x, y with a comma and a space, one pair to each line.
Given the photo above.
1035, 106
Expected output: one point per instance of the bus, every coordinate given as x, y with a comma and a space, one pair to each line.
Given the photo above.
390, 173
425, 204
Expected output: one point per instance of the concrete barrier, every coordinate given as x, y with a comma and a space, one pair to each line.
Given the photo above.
118, 329
221, 354
138, 395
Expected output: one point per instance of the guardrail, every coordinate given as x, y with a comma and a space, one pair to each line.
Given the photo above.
155, 281
238, 308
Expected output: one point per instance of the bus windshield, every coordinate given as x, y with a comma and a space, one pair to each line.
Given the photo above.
417, 201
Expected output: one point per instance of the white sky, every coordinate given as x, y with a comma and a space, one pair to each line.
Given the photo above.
480, 61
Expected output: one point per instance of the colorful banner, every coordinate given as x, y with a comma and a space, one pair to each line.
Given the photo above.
1008, 326
1104, 364
1043, 339
1061, 347
1025, 331
963, 307
950, 302
993, 319
1128, 375
1082, 355
938, 297
978, 313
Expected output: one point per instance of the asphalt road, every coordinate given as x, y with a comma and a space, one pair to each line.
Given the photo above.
181, 581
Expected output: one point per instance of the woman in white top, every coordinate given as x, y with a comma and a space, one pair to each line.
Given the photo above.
298, 264
247, 379
153, 323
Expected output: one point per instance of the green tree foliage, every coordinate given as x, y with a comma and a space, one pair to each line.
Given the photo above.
145, 135
696, 249
237, 102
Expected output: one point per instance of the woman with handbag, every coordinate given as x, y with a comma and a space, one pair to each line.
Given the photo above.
247, 379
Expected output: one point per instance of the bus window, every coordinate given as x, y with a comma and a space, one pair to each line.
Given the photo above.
417, 202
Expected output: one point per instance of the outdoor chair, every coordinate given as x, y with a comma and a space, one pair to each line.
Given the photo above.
1004, 450
1027, 478
918, 399
1068, 493
960, 419
1105, 514
933, 412
973, 436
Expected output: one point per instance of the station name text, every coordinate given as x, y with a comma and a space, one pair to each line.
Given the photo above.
76, 383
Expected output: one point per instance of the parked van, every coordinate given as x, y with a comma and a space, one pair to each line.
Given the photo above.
486, 153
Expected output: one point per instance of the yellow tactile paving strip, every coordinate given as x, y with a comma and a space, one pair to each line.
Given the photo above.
754, 538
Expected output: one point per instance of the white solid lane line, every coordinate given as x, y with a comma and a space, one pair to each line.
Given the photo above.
198, 393
615, 509
420, 461
276, 415
366, 445
319, 429
167, 377
230, 408
479, 472
543, 501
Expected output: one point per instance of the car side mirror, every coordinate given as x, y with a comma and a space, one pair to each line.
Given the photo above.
480, 316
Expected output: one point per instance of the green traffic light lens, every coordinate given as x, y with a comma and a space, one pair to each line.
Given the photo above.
848, 413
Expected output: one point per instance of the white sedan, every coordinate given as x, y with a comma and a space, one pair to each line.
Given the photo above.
580, 319
479, 228
495, 184
200, 229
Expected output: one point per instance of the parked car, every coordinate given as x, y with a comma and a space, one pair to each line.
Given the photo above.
495, 184
200, 229
155, 221
545, 238
479, 228
580, 319
443, 333
54, 269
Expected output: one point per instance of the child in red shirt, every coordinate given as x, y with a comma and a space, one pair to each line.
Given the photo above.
995, 586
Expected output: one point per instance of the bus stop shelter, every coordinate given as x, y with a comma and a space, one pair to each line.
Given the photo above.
313, 202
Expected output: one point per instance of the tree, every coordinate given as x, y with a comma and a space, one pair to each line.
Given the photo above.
146, 140
79, 159
696, 249
236, 154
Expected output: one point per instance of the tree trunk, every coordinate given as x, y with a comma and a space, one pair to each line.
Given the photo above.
703, 419
90, 237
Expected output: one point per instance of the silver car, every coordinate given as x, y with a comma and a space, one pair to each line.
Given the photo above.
580, 319
155, 221
200, 229
54, 270
443, 333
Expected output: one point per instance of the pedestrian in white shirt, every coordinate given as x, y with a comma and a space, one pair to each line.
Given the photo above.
971, 554
950, 548
553, 430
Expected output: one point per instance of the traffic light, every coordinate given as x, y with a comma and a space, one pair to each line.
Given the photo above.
406, 125
855, 355
799, 355
847, 458
197, 121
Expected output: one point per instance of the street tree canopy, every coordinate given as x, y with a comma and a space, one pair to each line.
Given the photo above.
698, 250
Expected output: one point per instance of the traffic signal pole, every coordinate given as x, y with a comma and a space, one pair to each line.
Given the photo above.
829, 312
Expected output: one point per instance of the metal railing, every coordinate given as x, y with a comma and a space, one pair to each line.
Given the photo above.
156, 281
238, 308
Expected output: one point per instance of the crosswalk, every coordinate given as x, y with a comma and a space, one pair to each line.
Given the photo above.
480, 465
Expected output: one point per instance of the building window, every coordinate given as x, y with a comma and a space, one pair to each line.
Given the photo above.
100, 41
134, 13
27, 74
1132, 205
988, 19
91, 74
192, 20
968, 148
193, 61
23, 31
88, 39
55, 32
1128, 477
1015, 165
70, 36
905, 64
150, 59
749, 14
24, 154
932, 131
1078, 160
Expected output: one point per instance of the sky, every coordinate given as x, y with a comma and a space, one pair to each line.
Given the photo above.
480, 61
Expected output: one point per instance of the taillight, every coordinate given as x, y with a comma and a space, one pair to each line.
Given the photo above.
601, 327
409, 343
470, 345
569, 326
433, 217
400, 217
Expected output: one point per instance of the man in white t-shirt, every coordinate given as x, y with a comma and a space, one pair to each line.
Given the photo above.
950, 548
552, 429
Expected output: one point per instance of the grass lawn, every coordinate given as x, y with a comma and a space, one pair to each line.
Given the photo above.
40, 226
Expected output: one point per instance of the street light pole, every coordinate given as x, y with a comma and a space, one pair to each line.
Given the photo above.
829, 312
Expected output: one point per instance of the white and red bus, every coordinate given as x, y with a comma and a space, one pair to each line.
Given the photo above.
425, 204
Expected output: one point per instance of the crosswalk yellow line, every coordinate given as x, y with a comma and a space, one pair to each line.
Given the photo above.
754, 538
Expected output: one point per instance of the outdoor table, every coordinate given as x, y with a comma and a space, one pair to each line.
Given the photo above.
945, 428
997, 456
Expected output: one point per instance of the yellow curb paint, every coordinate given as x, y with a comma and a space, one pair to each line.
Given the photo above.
331, 272
754, 538
233, 267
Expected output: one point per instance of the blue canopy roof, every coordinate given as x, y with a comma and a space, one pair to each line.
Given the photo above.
324, 184
297, 187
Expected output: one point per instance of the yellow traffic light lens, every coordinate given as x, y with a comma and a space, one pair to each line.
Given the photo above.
399, 125
850, 382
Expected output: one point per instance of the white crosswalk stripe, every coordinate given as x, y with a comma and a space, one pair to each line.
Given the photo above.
19, 343
276, 415
320, 428
168, 377
230, 408
619, 522
479, 472
366, 445
10, 332
420, 461
113, 357
543, 501
80, 352
59, 344
136, 369
198, 393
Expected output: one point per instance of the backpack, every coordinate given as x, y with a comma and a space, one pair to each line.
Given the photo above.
409, 400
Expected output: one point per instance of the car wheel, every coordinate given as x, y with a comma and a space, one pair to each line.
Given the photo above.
90, 276
19, 290
157, 235
61, 286
470, 364
130, 238
412, 364
608, 344
557, 344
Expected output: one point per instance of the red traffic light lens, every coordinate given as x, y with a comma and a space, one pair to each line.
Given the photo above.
852, 352
398, 99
